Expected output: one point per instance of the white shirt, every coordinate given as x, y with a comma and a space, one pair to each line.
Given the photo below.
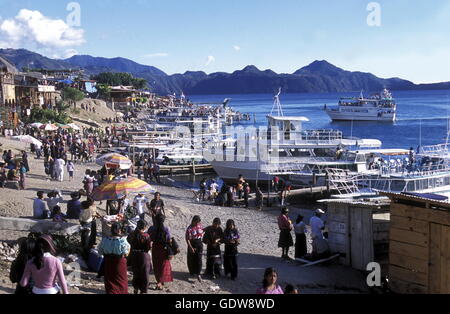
125, 205
39, 206
139, 203
70, 167
60, 163
214, 187
54, 201
316, 227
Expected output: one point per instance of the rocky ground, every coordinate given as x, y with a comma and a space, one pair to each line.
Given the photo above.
259, 234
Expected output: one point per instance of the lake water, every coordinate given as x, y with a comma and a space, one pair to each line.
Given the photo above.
422, 115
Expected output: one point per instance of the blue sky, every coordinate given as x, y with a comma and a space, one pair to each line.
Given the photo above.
412, 41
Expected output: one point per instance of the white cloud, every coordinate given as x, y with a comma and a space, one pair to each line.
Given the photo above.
31, 29
156, 55
210, 60
236, 48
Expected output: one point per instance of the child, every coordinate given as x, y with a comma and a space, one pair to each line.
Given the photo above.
70, 169
57, 215
290, 289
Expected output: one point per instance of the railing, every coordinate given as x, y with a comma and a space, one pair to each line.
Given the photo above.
305, 137
441, 150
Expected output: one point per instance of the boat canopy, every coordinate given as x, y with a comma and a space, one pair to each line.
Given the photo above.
363, 143
386, 152
292, 118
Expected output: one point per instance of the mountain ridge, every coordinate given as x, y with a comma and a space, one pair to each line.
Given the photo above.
319, 76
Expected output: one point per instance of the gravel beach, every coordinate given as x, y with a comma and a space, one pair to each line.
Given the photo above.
258, 249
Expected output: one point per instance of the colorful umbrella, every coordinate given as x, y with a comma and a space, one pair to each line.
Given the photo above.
119, 188
63, 126
27, 139
114, 160
48, 127
36, 125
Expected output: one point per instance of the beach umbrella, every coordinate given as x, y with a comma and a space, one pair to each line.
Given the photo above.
36, 125
63, 126
118, 188
114, 160
48, 127
27, 139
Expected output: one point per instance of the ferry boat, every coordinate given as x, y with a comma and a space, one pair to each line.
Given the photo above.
292, 153
381, 107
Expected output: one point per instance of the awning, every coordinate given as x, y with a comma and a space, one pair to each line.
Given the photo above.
386, 152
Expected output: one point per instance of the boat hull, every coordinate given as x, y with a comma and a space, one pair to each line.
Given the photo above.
230, 171
360, 116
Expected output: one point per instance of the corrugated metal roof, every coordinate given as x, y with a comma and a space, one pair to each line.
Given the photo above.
416, 198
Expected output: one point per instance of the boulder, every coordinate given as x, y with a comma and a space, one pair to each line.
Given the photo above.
38, 226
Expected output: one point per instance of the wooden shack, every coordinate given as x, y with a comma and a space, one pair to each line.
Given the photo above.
419, 254
359, 231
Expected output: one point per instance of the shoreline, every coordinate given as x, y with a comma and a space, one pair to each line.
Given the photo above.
259, 232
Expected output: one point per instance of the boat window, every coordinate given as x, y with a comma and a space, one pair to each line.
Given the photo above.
360, 158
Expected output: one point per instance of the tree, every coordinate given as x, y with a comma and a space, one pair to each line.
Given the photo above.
72, 94
104, 91
46, 115
61, 106
125, 79
139, 83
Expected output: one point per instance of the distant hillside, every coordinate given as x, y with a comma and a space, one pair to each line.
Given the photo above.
317, 77
96, 65
22, 58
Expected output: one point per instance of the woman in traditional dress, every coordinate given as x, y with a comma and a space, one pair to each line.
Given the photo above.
285, 225
231, 239
140, 261
194, 235
300, 237
115, 249
88, 182
213, 238
161, 256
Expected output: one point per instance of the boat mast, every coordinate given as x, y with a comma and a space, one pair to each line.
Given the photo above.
277, 104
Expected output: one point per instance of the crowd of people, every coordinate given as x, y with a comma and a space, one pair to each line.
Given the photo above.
230, 195
14, 168
319, 235
144, 247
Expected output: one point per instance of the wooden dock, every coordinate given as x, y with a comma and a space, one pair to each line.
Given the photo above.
311, 194
185, 169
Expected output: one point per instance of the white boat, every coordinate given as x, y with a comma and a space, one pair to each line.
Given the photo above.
376, 108
399, 171
293, 153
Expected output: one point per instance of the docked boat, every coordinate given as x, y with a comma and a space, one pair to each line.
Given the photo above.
381, 107
290, 152
399, 171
